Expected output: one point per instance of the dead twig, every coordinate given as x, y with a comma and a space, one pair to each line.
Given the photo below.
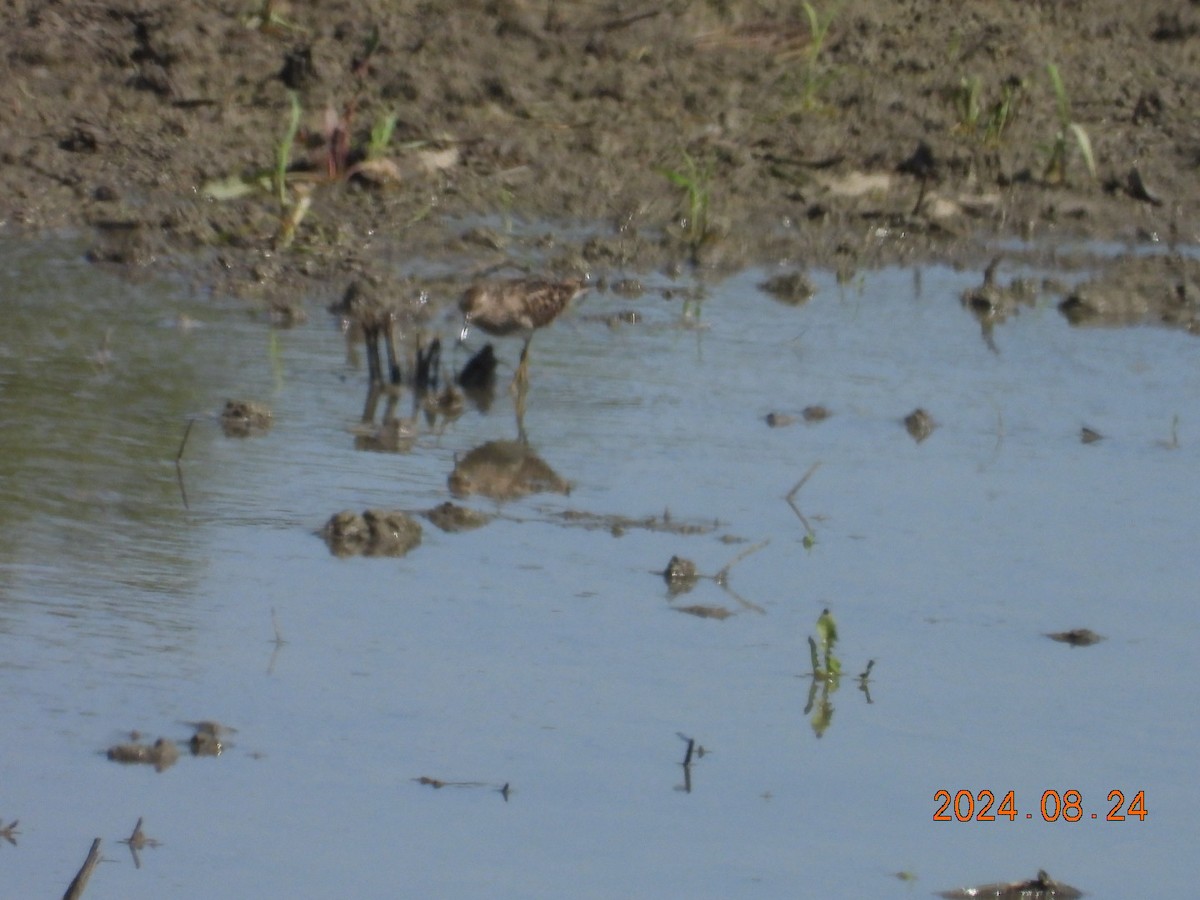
79, 882
278, 642
138, 841
722, 577
790, 497
179, 462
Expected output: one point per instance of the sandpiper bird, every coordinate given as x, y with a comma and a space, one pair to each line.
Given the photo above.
519, 306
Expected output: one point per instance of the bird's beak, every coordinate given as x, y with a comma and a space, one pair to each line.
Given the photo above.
462, 335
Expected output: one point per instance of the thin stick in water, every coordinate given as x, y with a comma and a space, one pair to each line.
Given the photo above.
75, 889
179, 462
791, 498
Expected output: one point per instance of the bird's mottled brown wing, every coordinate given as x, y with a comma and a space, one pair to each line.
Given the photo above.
543, 301
521, 305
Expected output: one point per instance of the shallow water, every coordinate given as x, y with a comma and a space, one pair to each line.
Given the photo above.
552, 658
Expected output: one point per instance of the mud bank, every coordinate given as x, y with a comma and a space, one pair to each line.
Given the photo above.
680, 137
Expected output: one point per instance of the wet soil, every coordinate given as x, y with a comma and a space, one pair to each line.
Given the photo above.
589, 137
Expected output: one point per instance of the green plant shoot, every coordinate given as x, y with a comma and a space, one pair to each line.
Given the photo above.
1056, 166
283, 154
381, 136
694, 181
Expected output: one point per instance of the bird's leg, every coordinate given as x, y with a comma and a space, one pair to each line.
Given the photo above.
429, 361
520, 408
371, 342
389, 335
521, 381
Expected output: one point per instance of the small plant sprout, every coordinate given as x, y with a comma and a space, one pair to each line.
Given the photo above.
1004, 110
9, 832
818, 29
969, 108
381, 136
826, 675
966, 103
694, 180
827, 636
283, 153
268, 21
1056, 165
825, 665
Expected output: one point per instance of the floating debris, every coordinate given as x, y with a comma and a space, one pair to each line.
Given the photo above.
138, 841
503, 790
242, 418
920, 424
618, 525
1076, 637
1043, 887
704, 612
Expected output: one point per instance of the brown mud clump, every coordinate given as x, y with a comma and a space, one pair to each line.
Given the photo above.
919, 424
1161, 290
243, 418
374, 533
162, 754
1076, 637
793, 288
452, 518
680, 575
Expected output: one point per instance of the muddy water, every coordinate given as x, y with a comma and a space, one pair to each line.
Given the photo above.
548, 656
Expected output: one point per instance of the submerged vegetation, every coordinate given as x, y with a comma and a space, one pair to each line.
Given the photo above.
826, 674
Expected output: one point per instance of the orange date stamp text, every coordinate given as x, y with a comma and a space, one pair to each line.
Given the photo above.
1055, 806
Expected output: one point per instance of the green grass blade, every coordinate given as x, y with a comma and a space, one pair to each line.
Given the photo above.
1085, 147
1060, 94
283, 156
